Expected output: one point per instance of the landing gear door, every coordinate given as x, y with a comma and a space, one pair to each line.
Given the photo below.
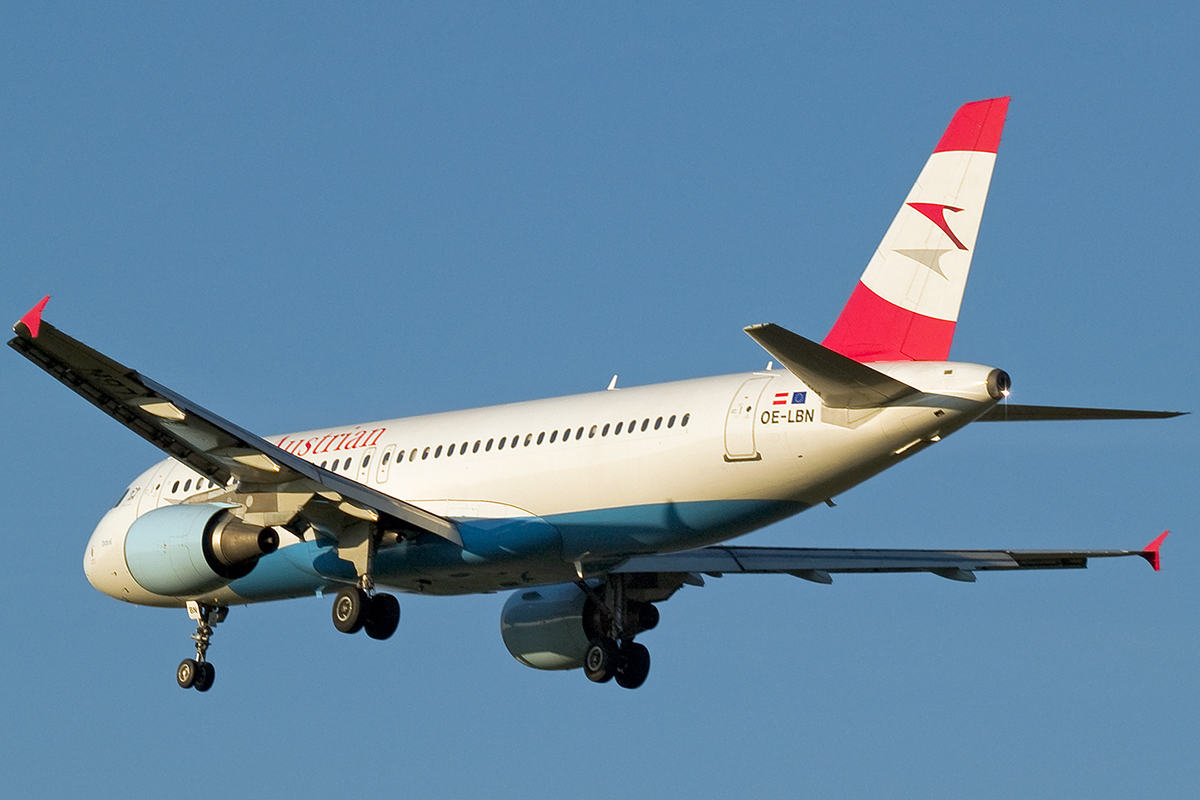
739, 423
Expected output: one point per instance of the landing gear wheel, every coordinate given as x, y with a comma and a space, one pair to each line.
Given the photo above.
633, 666
349, 609
648, 617
383, 615
185, 673
205, 675
600, 660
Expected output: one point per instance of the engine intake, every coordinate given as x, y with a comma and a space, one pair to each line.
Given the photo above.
184, 550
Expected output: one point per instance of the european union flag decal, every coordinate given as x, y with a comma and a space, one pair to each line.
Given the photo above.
798, 397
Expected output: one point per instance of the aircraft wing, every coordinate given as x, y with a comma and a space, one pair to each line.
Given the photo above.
818, 564
191, 434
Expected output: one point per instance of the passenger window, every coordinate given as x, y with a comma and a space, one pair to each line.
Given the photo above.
489, 445
412, 456
632, 425
503, 439
645, 423
323, 463
347, 465
366, 460
475, 449
386, 458
592, 432
528, 439
671, 422
579, 433
462, 449
438, 453
450, 450
604, 430
541, 436
553, 436
683, 422
175, 488
617, 432
399, 456
187, 487
425, 454
658, 423
336, 461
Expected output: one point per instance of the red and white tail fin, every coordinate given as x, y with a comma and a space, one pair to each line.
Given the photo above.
906, 303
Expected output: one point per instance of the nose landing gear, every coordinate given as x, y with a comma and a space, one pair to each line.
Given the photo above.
198, 673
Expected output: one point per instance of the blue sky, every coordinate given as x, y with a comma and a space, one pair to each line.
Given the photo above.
301, 216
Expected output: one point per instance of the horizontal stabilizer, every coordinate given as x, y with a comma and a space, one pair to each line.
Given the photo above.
1011, 412
840, 381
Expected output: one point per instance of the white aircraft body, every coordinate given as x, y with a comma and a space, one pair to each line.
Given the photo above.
591, 507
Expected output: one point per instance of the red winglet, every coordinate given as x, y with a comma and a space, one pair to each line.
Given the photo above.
976, 126
33, 320
1150, 551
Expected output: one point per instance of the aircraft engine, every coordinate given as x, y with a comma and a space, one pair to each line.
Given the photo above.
188, 549
550, 627
543, 627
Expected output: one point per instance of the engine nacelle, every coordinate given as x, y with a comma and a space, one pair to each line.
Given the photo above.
189, 549
543, 627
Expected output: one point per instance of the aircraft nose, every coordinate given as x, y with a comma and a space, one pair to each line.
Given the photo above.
104, 560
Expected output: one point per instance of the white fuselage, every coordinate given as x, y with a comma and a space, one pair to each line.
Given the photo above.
542, 489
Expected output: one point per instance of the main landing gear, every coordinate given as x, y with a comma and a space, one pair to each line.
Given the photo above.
611, 621
355, 609
198, 673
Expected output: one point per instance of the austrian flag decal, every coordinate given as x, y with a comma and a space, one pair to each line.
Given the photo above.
784, 398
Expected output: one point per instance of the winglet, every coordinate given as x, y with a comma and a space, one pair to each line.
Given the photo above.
1150, 551
33, 319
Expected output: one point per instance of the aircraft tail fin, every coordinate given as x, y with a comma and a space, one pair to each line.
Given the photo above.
906, 304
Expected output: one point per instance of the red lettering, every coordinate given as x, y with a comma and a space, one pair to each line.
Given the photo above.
374, 437
351, 444
317, 447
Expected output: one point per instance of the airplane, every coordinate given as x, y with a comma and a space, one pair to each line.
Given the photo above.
593, 508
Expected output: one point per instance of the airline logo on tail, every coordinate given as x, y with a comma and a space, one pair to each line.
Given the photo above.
936, 213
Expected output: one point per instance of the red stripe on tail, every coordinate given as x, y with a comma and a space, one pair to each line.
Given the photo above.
976, 126
872, 329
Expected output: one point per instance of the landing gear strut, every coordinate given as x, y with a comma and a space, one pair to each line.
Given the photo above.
612, 620
198, 673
